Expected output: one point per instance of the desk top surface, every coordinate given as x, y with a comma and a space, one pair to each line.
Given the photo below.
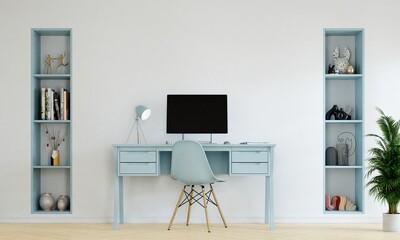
206, 145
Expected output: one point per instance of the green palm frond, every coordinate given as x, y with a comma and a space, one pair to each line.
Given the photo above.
385, 163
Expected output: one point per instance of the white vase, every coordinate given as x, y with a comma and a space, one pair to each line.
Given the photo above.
391, 222
47, 202
63, 203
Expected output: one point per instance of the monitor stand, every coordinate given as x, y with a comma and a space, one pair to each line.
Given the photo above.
211, 141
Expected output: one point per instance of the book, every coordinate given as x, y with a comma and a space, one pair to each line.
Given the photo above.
66, 105
43, 104
47, 103
51, 103
56, 105
62, 104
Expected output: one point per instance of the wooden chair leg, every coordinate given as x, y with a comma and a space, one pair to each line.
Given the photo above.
190, 205
176, 207
205, 207
219, 209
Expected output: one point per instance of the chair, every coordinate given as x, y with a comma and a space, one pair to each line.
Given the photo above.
190, 165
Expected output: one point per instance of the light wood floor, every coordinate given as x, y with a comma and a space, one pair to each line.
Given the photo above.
195, 231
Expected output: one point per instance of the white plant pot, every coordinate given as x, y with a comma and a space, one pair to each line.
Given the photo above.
391, 222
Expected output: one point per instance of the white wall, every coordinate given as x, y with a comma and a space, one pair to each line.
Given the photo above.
263, 54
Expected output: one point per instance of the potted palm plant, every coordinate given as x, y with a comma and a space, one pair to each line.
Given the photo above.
384, 170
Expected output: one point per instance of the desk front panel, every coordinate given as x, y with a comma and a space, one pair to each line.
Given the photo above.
154, 160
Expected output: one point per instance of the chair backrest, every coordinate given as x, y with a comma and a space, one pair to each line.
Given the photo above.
190, 164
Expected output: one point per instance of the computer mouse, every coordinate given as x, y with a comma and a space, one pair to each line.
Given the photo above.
227, 142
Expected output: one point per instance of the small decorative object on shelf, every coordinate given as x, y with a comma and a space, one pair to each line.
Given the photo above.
349, 139
55, 158
62, 203
332, 204
331, 69
47, 202
350, 206
332, 113
350, 69
343, 154
338, 114
342, 115
341, 64
55, 137
61, 63
341, 203
331, 156
49, 60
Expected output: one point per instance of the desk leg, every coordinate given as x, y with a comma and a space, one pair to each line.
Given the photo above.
269, 203
116, 200
121, 200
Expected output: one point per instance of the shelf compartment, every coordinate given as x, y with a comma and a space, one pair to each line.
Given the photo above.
53, 43
345, 93
349, 133
345, 182
52, 179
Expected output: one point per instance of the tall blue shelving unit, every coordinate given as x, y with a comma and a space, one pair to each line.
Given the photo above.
345, 90
45, 177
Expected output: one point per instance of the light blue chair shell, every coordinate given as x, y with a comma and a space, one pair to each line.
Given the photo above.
190, 165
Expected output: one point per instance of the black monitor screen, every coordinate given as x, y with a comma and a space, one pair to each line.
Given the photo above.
197, 114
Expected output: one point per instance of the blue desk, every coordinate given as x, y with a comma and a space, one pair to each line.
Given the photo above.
231, 159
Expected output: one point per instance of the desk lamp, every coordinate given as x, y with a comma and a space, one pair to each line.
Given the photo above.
142, 113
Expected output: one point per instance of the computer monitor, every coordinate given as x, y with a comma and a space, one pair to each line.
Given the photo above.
197, 113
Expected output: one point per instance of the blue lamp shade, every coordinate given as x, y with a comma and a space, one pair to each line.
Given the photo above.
143, 112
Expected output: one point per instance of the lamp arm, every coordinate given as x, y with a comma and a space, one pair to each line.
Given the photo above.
133, 125
141, 131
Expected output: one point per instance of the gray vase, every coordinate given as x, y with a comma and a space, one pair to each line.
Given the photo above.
46, 202
63, 202
331, 156
343, 154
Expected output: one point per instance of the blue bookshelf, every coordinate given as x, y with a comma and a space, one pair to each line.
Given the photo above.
45, 177
343, 90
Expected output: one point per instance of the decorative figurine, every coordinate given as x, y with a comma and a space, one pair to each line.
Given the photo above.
49, 60
341, 64
350, 69
332, 113
331, 69
338, 114
61, 61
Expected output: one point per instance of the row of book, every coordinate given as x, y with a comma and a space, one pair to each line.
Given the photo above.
54, 105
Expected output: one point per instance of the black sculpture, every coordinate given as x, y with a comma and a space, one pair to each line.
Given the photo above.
338, 114
333, 112
342, 115
331, 69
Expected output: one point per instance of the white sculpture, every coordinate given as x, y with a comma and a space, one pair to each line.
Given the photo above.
341, 64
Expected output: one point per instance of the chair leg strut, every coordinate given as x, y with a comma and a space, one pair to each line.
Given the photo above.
176, 208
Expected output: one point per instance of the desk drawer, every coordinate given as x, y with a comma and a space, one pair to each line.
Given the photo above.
249, 168
137, 168
254, 157
143, 156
